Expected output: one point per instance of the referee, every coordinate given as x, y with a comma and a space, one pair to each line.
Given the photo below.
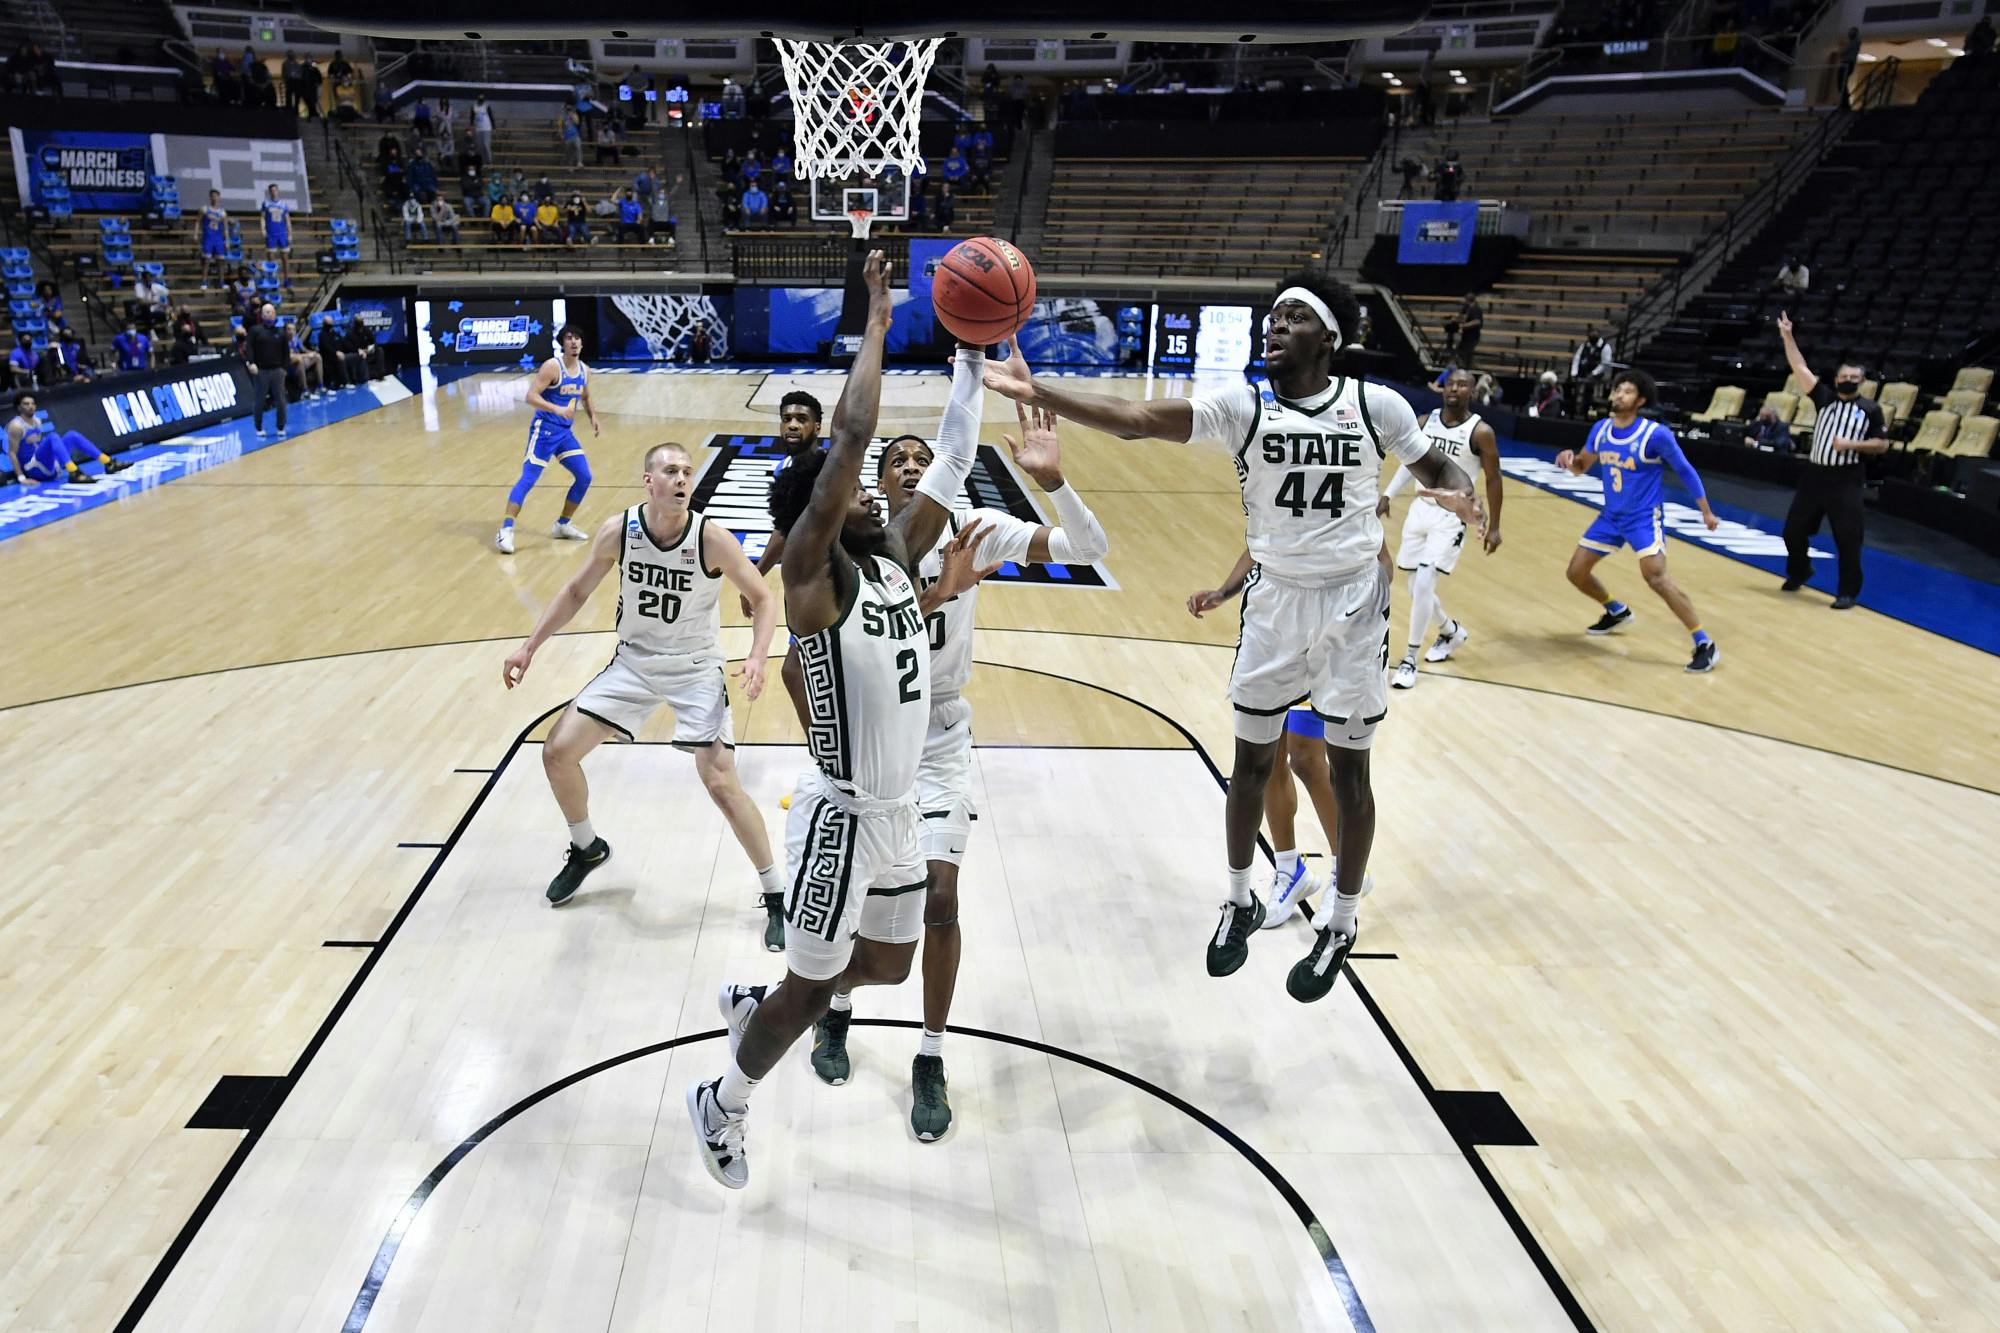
1830, 488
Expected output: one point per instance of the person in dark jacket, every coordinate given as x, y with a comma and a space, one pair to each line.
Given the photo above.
269, 353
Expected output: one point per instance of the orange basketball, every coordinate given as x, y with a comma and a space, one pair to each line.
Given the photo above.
984, 291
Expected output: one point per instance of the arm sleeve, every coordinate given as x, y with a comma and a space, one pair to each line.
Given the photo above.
1007, 537
1078, 538
958, 430
1668, 448
1395, 422
1398, 483
1223, 420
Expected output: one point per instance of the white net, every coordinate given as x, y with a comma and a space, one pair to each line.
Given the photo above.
667, 323
856, 104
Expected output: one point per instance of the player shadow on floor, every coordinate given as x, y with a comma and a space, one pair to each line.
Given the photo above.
622, 901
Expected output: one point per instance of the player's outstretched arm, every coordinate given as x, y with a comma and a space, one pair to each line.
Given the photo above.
917, 527
544, 380
566, 603
1170, 419
720, 550
589, 407
1578, 461
1076, 538
1793, 357
1488, 445
810, 597
1670, 453
961, 567
1437, 477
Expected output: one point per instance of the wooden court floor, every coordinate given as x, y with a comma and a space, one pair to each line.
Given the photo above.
1724, 945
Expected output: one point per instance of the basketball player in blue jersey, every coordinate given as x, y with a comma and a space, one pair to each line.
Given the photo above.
1308, 449
278, 232
1632, 454
42, 453
798, 434
559, 388
213, 226
853, 852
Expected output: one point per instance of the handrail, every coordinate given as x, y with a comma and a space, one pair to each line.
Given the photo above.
1656, 307
1021, 195
697, 188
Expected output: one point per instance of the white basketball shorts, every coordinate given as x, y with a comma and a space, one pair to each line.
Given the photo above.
1325, 643
854, 867
632, 687
944, 781
1432, 535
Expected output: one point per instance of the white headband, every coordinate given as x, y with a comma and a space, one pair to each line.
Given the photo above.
1314, 304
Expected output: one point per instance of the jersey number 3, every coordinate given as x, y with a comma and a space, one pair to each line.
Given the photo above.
1292, 494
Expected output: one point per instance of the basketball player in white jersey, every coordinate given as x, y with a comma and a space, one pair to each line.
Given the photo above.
852, 855
1432, 534
671, 562
974, 543
1308, 449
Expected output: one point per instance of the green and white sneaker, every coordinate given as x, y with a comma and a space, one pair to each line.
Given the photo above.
774, 923
829, 1053
1229, 949
930, 1110
578, 862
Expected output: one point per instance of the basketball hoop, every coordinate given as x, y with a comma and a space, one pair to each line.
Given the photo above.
856, 105
859, 218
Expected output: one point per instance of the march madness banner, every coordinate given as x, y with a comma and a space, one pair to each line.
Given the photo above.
734, 489
1437, 233
105, 171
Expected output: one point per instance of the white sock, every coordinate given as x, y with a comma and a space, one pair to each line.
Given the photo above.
1288, 863
768, 877
932, 1043
842, 1003
1239, 885
1423, 606
734, 1092
1338, 910
582, 834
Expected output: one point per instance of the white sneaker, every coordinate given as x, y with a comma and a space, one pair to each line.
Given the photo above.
1448, 643
1286, 890
737, 1003
568, 532
1406, 675
720, 1136
503, 541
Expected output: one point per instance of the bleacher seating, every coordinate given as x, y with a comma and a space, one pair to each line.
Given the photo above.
1543, 305
1204, 217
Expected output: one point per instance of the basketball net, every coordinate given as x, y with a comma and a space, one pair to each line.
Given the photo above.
856, 106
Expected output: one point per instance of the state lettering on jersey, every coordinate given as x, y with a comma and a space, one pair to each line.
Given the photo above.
1312, 449
654, 576
900, 621
734, 489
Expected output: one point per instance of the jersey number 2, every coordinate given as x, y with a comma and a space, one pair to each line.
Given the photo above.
906, 685
1292, 494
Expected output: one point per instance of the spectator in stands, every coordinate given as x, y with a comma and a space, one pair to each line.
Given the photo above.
920, 209
415, 224
222, 78
981, 169
756, 103
631, 218
732, 169
307, 364
606, 148
1450, 176
756, 207
50, 298
447, 146
360, 340
42, 453
310, 80
1590, 367
259, 90
700, 349
1794, 278
982, 141
1767, 432
569, 129
1850, 56
482, 129
21, 361
420, 118
289, 76
524, 219
66, 361
269, 353
1412, 170
954, 167
472, 189
733, 104
387, 148
1547, 400
446, 119
663, 213
243, 293
445, 218
337, 364
947, 207
545, 189
731, 201
134, 348
781, 164
151, 297
961, 138
576, 218
753, 167
548, 223
423, 176
517, 184
1462, 330
784, 209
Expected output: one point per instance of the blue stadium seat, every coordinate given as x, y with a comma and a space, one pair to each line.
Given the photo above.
31, 324
155, 270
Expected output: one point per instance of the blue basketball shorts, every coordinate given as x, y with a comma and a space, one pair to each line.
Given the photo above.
1642, 531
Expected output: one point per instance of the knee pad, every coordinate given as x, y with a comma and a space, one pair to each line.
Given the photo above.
579, 467
530, 474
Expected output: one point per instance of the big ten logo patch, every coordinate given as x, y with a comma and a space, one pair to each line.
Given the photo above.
734, 489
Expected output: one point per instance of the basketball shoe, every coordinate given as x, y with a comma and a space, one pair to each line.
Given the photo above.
829, 1052
774, 922
577, 863
1230, 947
1406, 675
720, 1134
1449, 641
1286, 890
737, 1003
503, 541
566, 531
930, 1110
1609, 621
1706, 654
1313, 976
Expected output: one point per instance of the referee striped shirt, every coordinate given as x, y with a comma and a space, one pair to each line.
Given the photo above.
1856, 419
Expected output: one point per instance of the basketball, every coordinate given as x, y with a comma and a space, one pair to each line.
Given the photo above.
983, 291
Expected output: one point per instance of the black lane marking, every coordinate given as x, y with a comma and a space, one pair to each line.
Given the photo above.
422, 846
1558, 1286
164, 1269
1366, 956
472, 770
392, 1240
239, 1101
1482, 1119
349, 944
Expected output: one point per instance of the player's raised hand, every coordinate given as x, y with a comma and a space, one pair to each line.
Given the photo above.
1039, 452
1205, 601
875, 275
1785, 322
516, 666
961, 560
1010, 378
1566, 460
751, 675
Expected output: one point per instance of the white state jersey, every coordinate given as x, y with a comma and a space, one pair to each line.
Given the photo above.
949, 628
868, 686
666, 596
1310, 470
1454, 442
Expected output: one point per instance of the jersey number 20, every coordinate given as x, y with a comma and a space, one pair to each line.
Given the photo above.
1292, 494
665, 605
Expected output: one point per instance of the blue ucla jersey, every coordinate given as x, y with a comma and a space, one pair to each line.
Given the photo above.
213, 220
1632, 464
277, 219
567, 389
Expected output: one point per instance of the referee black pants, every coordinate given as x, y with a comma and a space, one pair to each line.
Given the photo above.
1833, 495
